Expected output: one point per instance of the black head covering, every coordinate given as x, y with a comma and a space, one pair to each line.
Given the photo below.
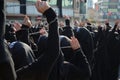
68, 31
9, 33
66, 47
42, 44
64, 44
22, 54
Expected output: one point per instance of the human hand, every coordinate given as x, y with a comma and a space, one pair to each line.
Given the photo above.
27, 21
43, 31
42, 6
17, 26
118, 25
66, 17
74, 43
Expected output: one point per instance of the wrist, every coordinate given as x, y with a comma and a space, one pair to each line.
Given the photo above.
50, 15
77, 50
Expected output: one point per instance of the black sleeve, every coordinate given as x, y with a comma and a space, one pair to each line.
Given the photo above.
67, 22
43, 66
7, 71
81, 64
23, 34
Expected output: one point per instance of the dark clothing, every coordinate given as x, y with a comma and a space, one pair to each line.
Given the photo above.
67, 31
113, 49
69, 62
86, 42
100, 70
7, 71
40, 69
22, 54
89, 27
42, 45
9, 33
85, 39
76, 69
107, 57
23, 34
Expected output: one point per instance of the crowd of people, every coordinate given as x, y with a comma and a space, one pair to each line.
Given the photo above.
57, 50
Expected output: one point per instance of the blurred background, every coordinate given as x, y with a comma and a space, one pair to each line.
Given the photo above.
93, 10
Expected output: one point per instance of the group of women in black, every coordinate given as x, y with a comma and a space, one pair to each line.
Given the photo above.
69, 54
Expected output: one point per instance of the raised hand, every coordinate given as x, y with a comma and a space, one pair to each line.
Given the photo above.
17, 26
66, 17
27, 21
74, 43
42, 6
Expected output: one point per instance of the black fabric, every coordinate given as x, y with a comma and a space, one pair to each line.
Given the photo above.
64, 41
42, 45
86, 41
9, 33
66, 48
113, 49
23, 35
71, 65
107, 56
76, 69
68, 31
51, 15
41, 69
7, 71
22, 54
89, 27
67, 22
101, 69
84, 37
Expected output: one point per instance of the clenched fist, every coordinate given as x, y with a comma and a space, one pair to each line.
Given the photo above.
42, 6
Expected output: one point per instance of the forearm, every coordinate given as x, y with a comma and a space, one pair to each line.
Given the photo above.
81, 63
46, 61
53, 38
23, 34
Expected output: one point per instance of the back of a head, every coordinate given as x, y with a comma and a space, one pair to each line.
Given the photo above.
42, 45
66, 47
10, 33
22, 54
68, 31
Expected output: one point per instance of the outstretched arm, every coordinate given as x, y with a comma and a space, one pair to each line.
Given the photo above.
45, 63
49, 58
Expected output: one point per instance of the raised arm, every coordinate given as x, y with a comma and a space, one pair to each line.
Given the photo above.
79, 61
49, 58
43, 66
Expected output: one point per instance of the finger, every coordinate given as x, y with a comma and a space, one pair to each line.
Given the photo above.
37, 3
25, 18
73, 38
